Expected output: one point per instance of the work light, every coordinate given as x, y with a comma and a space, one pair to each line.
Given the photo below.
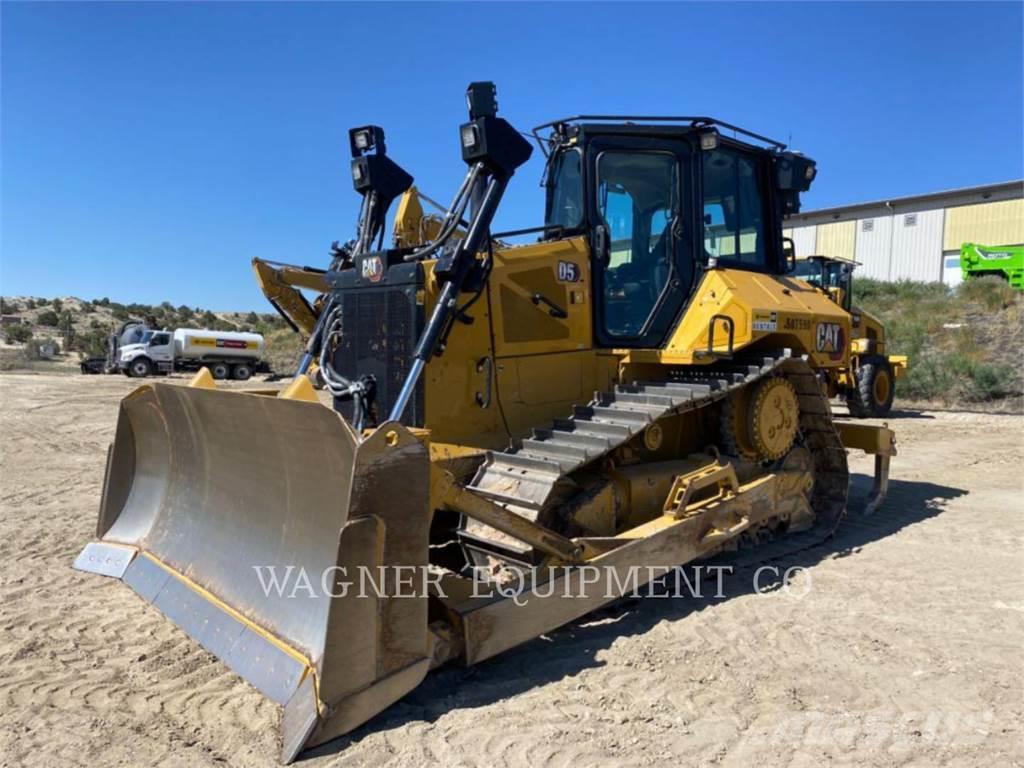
366, 137
469, 135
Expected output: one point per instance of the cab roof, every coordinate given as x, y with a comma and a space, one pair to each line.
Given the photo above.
646, 125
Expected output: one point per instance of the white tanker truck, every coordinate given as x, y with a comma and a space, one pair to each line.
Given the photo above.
227, 354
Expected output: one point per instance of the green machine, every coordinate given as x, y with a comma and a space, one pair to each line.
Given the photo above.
1007, 261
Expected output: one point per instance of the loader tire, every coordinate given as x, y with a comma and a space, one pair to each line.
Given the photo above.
140, 368
220, 370
241, 371
873, 392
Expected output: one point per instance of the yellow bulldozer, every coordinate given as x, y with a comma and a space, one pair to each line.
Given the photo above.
515, 435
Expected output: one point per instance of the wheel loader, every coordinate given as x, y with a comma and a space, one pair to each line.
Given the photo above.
868, 386
515, 435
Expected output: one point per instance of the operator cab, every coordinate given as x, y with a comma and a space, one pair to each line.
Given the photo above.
832, 275
662, 203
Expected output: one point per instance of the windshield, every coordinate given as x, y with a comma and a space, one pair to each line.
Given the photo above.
836, 273
146, 337
808, 270
565, 191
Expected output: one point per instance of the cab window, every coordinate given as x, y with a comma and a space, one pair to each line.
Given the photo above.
636, 200
565, 191
733, 209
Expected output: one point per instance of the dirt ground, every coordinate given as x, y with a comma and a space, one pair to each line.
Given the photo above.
899, 644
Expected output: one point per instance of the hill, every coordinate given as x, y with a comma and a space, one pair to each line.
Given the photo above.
966, 345
79, 328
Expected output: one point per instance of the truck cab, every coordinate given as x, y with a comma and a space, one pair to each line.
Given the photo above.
153, 353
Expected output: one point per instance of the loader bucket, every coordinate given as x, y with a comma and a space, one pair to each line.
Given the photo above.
211, 497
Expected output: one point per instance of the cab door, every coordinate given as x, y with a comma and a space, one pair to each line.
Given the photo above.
544, 360
639, 204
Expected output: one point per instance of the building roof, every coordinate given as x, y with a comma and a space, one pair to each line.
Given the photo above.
985, 193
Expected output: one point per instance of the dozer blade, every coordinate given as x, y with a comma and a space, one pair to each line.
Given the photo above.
208, 493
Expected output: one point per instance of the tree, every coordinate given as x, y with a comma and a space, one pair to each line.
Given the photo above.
92, 343
252, 318
48, 317
58, 305
8, 307
17, 333
185, 312
30, 304
209, 318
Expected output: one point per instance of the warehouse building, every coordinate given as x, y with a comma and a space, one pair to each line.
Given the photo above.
913, 238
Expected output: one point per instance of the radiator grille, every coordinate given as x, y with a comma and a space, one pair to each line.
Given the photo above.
380, 327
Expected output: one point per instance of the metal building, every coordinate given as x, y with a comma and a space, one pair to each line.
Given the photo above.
917, 237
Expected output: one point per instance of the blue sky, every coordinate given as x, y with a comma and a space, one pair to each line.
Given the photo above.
150, 150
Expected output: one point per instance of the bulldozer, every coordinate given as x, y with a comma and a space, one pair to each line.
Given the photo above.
511, 436
868, 385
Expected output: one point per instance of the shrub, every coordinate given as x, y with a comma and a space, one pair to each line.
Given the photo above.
8, 307
58, 305
30, 304
252, 318
92, 343
17, 333
991, 291
49, 317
